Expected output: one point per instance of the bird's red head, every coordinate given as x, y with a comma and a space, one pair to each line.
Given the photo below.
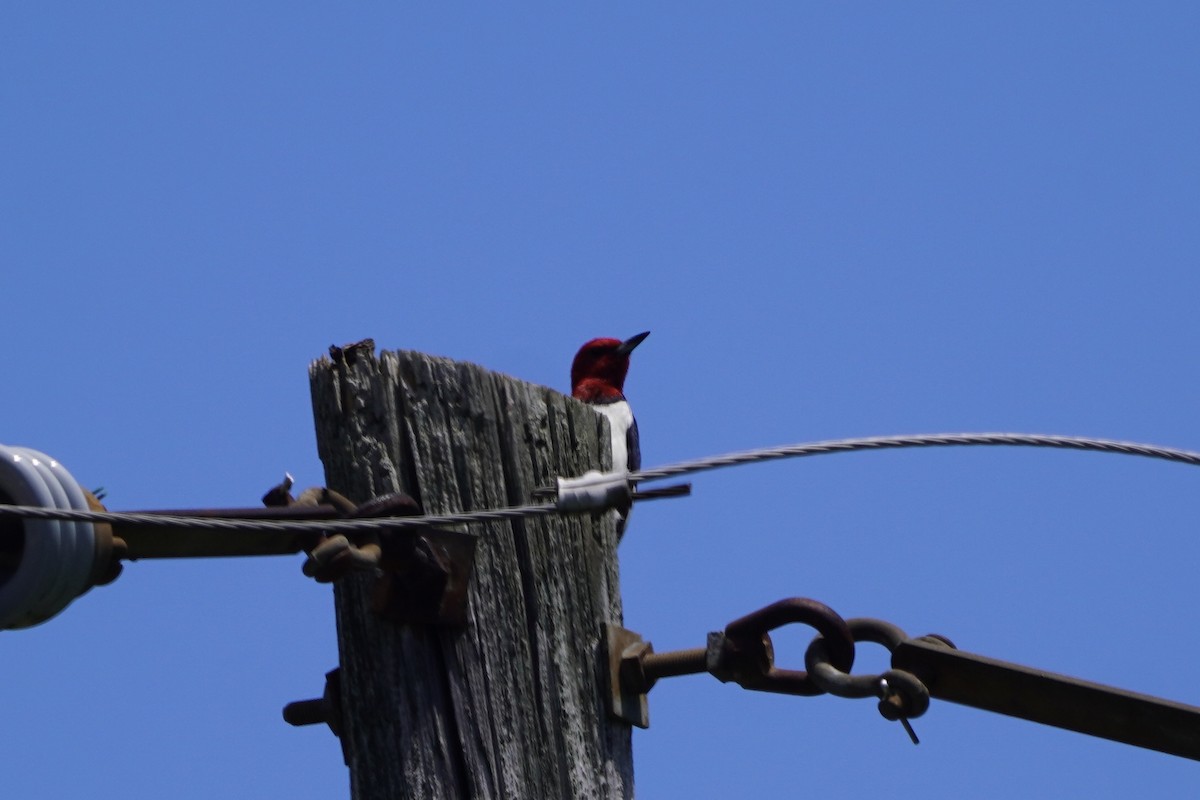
599, 369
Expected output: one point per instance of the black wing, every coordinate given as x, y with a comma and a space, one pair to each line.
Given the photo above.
633, 448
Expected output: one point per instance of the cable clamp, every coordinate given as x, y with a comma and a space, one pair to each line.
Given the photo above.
593, 491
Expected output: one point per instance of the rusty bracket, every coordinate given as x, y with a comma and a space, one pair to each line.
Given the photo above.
927, 667
422, 573
742, 653
425, 577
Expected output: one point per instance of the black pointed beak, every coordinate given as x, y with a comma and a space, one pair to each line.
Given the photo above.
626, 347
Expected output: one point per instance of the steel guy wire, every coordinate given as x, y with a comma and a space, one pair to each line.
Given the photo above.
916, 440
670, 470
282, 526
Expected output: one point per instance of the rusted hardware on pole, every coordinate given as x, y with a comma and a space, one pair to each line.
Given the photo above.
921, 668
424, 573
742, 653
901, 695
326, 709
57, 540
425, 578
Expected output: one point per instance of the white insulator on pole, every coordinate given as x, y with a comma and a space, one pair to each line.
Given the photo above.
47, 563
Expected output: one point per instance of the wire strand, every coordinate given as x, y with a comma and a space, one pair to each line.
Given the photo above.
657, 473
281, 526
919, 440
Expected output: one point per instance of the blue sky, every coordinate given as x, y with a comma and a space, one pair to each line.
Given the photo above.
837, 220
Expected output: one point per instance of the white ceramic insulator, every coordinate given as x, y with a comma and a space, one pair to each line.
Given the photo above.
56, 557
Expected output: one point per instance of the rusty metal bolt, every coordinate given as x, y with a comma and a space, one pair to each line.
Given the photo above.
325, 709
633, 668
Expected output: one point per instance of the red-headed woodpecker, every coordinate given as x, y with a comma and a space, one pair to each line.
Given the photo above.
598, 378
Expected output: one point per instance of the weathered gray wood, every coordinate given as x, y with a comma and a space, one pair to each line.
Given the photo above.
513, 706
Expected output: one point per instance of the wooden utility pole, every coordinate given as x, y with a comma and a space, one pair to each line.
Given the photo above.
513, 704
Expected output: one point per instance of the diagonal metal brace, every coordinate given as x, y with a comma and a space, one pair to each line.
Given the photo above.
1051, 699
